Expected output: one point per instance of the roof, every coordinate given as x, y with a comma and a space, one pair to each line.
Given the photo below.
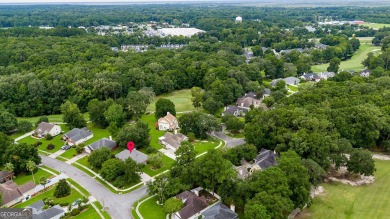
44, 128
242, 172
310, 29
232, 109
11, 191
37, 206
326, 74
4, 174
135, 155
310, 76
267, 91
247, 102
320, 46
77, 134
48, 213
265, 159
291, 80
170, 119
192, 204
173, 139
219, 211
104, 142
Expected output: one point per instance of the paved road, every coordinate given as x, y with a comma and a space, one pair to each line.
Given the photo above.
118, 206
229, 141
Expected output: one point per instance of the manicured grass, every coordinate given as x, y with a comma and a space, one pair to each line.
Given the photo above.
51, 169
167, 164
89, 213
375, 25
84, 161
154, 133
84, 191
150, 209
292, 88
25, 177
52, 118
70, 153
355, 63
344, 201
61, 159
181, 99
100, 207
201, 146
50, 193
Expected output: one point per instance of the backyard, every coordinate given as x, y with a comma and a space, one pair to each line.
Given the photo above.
344, 201
181, 99
154, 133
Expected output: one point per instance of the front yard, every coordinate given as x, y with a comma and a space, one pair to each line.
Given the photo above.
150, 209
203, 146
25, 177
167, 164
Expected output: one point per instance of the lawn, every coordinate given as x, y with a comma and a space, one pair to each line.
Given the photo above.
52, 118
150, 209
355, 63
100, 207
167, 164
84, 161
154, 133
72, 182
202, 146
89, 213
344, 201
292, 88
50, 193
25, 177
181, 99
375, 25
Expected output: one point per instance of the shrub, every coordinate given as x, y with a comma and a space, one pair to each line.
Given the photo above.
79, 149
48, 137
24, 126
191, 137
50, 146
37, 143
151, 150
85, 199
62, 189
75, 212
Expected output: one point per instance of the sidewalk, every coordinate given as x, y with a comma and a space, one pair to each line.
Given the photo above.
23, 136
57, 153
74, 159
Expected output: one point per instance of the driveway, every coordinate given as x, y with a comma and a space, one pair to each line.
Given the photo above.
53, 181
229, 141
118, 206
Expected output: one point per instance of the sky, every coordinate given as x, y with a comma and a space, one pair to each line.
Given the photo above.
103, 1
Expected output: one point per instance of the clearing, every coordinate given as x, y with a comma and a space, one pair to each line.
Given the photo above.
355, 63
344, 201
52, 118
375, 26
181, 99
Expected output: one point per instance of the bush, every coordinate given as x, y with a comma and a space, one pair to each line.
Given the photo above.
50, 146
62, 203
62, 189
85, 200
75, 212
191, 137
151, 150
79, 149
48, 137
24, 126
156, 160
37, 143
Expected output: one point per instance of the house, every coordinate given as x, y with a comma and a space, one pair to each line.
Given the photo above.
135, 155
77, 136
104, 142
172, 141
310, 29
310, 77
235, 110
365, 73
5, 176
242, 172
326, 75
248, 100
168, 122
320, 46
289, 81
264, 160
39, 212
12, 193
45, 128
267, 92
192, 205
219, 211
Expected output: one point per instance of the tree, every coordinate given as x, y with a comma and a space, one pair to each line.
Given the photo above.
8, 122
185, 157
24, 126
62, 189
212, 170
20, 154
277, 206
361, 162
115, 115
198, 123
136, 102
316, 172
212, 106
197, 96
155, 160
5, 142
72, 115
41, 119
163, 106
247, 152
164, 187
234, 125
138, 133
257, 211
334, 65
31, 166
172, 205
131, 171
112, 169
43, 181
98, 157
9, 167
96, 110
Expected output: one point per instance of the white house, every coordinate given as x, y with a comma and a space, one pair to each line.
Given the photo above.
172, 141
45, 128
77, 136
168, 122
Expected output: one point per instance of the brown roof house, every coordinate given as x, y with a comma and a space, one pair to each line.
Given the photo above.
248, 100
45, 128
192, 205
172, 141
12, 193
5, 176
168, 122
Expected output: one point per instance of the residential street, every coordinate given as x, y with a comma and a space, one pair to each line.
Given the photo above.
230, 142
118, 206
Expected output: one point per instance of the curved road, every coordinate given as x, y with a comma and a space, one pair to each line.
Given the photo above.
118, 206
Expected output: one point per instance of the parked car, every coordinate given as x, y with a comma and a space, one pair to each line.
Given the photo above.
76, 202
65, 147
48, 181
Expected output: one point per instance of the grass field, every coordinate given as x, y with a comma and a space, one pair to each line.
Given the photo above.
375, 25
52, 118
181, 99
89, 213
150, 209
344, 201
201, 147
167, 164
50, 193
355, 63
25, 177
154, 133
292, 88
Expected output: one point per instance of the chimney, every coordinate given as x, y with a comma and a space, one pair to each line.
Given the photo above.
168, 113
110, 137
196, 192
232, 207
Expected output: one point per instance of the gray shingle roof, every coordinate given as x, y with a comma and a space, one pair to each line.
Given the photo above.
76, 134
44, 128
267, 91
135, 155
265, 159
219, 211
232, 109
49, 213
104, 142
